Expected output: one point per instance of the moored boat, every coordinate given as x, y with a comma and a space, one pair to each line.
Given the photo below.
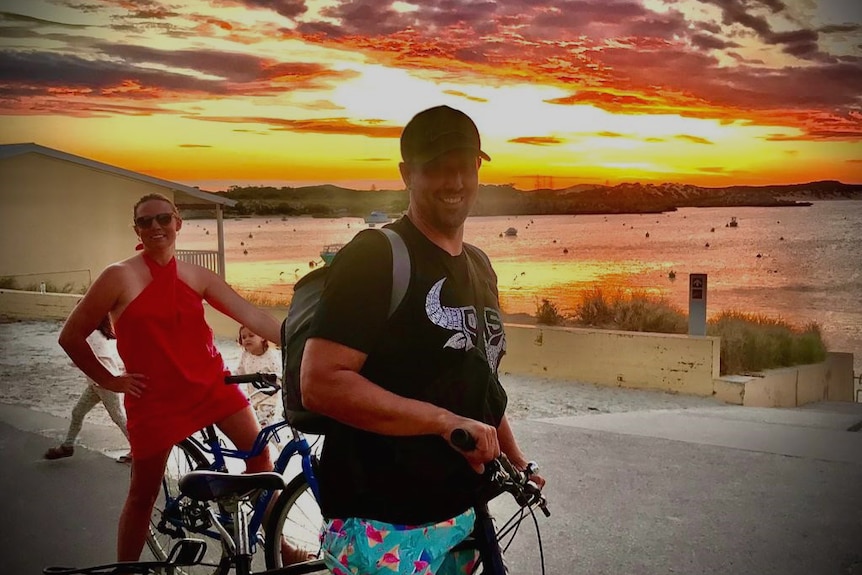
328, 252
377, 218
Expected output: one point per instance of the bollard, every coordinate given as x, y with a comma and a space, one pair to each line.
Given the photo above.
696, 304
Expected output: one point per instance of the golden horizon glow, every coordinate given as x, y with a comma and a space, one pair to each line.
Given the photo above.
238, 94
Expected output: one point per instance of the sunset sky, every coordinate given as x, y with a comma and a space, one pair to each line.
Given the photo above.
217, 93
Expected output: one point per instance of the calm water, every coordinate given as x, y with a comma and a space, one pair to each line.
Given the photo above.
809, 266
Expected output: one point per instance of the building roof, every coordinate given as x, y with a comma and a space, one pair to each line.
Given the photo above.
12, 150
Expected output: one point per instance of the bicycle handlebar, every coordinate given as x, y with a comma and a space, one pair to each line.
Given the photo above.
267, 383
501, 474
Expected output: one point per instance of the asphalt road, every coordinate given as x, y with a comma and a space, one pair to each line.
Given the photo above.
726, 490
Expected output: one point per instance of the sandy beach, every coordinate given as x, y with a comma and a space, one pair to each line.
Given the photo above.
35, 373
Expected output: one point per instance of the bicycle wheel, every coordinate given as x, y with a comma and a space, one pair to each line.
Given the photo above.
295, 516
175, 517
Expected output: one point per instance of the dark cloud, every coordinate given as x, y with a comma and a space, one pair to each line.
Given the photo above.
736, 12
287, 8
21, 19
693, 139
122, 71
231, 66
707, 42
370, 128
49, 70
537, 140
840, 28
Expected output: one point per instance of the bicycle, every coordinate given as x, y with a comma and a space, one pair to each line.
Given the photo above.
232, 491
294, 515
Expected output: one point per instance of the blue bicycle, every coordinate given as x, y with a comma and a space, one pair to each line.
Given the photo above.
295, 514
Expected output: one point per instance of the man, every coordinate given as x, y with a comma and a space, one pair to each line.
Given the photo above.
398, 386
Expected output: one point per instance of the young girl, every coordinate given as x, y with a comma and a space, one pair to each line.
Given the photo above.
103, 342
258, 357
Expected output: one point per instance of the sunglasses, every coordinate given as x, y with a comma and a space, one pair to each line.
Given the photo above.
162, 219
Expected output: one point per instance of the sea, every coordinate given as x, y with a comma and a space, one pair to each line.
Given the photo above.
800, 264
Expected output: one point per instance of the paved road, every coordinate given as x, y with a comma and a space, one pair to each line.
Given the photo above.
725, 490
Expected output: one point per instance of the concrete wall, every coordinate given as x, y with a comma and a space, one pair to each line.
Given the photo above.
666, 362
34, 305
830, 380
66, 221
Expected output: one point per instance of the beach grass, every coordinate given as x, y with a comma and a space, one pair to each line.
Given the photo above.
264, 298
753, 342
750, 342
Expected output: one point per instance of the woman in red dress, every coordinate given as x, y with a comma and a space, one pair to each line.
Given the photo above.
174, 380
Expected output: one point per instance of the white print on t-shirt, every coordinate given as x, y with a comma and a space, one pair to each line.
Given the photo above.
462, 320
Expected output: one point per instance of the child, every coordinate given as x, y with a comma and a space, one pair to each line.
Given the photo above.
103, 342
258, 357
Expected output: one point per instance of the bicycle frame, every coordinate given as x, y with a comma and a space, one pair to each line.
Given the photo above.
211, 444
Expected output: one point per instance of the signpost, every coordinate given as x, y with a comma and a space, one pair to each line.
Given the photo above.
696, 304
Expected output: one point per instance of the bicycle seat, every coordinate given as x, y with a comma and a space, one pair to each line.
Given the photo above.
207, 485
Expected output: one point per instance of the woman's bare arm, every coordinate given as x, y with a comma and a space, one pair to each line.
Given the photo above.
85, 317
223, 298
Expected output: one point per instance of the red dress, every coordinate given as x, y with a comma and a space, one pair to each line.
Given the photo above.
163, 334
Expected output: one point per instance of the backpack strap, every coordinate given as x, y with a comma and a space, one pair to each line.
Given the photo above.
400, 268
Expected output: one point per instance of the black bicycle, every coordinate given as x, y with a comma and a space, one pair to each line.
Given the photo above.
232, 493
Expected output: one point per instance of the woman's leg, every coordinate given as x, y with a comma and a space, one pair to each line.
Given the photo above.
242, 429
135, 518
86, 402
111, 401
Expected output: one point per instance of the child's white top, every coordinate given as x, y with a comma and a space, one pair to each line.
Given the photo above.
269, 362
106, 351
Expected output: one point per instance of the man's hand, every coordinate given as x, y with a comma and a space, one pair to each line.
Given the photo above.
487, 446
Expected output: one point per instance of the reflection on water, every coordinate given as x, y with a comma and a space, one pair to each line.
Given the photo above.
800, 264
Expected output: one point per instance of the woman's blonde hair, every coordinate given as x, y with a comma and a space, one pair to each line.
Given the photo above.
154, 196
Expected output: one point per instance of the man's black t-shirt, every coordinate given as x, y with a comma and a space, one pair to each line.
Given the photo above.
428, 351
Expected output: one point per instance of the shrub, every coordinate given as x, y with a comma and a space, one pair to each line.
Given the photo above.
630, 312
753, 342
8, 282
594, 309
749, 342
548, 314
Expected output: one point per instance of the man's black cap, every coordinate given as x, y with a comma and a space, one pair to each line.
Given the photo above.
435, 131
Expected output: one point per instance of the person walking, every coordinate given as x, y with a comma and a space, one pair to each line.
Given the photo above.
103, 343
398, 494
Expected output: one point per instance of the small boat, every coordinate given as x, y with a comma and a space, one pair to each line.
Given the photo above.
377, 218
511, 232
328, 252
732, 223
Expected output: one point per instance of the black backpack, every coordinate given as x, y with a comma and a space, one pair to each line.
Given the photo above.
294, 331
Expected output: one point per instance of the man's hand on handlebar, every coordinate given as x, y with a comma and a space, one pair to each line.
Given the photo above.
483, 446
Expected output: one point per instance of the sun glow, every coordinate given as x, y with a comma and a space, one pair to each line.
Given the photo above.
283, 91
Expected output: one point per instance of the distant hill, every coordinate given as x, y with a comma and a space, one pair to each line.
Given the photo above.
329, 200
